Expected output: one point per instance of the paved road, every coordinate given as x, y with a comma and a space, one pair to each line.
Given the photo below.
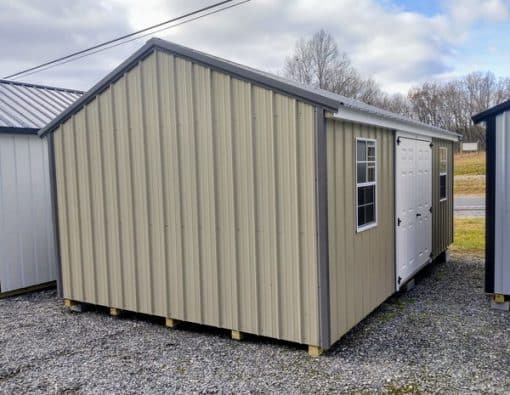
469, 206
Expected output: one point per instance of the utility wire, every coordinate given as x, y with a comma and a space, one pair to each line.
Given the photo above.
118, 39
64, 61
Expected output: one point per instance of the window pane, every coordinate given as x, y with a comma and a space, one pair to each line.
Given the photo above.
361, 172
442, 160
369, 214
366, 195
442, 186
361, 216
371, 150
361, 150
371, 172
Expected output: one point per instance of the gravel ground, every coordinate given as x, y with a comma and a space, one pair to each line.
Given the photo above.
439, 337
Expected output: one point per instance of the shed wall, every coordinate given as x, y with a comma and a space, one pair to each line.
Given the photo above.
361, 265
442, 211
184, 192
502, 197
27, 250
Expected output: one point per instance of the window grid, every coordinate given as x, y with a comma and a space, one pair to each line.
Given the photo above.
366, 177
443, 173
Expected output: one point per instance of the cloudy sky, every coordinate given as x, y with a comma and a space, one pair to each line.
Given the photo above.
399, 43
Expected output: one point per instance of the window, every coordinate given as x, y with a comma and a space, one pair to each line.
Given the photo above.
443, 172
366, 184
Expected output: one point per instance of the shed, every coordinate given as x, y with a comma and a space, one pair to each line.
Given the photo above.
497, 220
197, 189
27, 244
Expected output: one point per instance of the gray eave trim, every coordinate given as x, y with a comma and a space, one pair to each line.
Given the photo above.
198, 57
400, 124
15, 130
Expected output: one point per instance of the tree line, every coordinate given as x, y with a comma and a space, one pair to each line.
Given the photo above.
317, 62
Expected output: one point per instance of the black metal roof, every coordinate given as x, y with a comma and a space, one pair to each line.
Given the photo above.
491, 112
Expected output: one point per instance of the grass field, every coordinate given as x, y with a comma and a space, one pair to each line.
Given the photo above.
472, 164
469, 185
469, 236
469, 170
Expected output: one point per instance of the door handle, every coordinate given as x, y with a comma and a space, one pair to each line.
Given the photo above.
418, 215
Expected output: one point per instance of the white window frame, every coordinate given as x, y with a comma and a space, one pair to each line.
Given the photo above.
444, 173
365, 184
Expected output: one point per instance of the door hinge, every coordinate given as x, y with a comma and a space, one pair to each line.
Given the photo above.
431, 145
430, 209
399, 279
399, 221
398, 140
430, 255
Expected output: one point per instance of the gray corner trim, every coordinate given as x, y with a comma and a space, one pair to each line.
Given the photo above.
197, 57
54, 207
321, 183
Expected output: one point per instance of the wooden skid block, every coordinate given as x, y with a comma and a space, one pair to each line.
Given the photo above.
171, 323
315, 351
498, 298
69, 303
114, 312
236, 335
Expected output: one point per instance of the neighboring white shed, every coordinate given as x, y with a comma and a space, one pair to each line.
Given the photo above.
497, 249
27, 241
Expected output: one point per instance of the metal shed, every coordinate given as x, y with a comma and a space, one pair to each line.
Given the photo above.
497, 220
197, 189
27, 243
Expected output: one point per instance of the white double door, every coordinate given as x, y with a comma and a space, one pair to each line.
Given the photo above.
413, 207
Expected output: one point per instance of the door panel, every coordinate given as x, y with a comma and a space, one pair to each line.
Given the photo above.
413, 202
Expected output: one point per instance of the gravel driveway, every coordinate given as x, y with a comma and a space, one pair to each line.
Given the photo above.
441, 336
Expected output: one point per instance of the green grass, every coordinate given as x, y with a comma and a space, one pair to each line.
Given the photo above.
469, 236
470, 164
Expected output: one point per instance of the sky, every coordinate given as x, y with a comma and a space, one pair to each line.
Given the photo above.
399, 43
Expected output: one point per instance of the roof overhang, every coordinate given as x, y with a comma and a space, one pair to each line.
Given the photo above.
363, 117
15, 130
491, 112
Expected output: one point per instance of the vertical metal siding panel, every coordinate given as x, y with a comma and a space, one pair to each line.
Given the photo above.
84, 232
125, 194
265, 205
75, 257
63, 214
226, 232
150, 108
244, 204
206, 198
26, 244
100, 265
170, 144
109, 134
361, 264
307, 227
189, 190
140, 188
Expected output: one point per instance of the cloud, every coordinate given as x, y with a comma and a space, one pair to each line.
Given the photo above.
397, 47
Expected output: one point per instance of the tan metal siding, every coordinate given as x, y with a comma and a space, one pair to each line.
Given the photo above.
187, 193
361, 265
442, 211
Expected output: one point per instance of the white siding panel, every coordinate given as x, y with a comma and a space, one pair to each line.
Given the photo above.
27, 251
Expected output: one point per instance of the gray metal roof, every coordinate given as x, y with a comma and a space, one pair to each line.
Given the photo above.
330, 101
26, 108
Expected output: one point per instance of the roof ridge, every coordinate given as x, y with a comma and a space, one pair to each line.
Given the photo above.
39, 86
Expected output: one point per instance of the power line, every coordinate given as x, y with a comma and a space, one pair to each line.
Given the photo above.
118, 39
42, 68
